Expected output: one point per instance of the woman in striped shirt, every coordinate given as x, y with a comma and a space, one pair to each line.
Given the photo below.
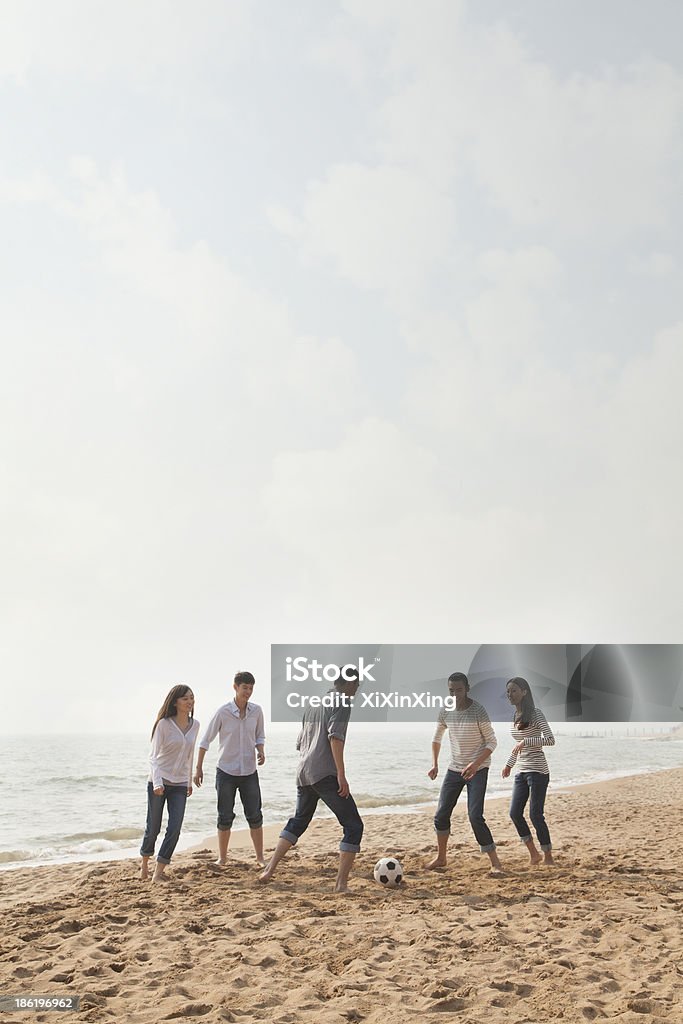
531, 732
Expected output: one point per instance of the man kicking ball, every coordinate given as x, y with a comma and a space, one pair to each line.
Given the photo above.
321, 776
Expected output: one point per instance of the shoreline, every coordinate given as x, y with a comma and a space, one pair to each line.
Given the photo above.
240, 839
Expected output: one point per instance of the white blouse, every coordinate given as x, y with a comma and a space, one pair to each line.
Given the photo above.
172, 753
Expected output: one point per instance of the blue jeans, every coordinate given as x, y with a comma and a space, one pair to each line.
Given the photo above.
227, 787
344, 807
176, 798
530, 786
451, 788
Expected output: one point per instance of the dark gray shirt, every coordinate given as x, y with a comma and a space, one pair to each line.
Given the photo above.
318, 727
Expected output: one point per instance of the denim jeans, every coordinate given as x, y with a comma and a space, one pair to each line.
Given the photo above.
176, 798
451, 788
531, 786
344, 807
227, 787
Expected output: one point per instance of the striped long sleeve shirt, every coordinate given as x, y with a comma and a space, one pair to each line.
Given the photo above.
470, 732
537, 735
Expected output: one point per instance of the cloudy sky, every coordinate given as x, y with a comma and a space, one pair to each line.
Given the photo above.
332, 321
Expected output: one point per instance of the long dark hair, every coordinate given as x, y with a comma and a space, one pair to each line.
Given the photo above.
168, 709
525, 713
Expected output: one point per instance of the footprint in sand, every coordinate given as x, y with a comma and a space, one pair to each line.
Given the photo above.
448, 1005
22, 972
591, 1012
190, 1010
111, 990
70, 927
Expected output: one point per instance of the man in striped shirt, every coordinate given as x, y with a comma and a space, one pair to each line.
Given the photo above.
472, 742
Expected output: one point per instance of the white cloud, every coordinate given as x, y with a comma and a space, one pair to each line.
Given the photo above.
532, 503
654, 265
383, 227
92, 39
146, 412
576, 152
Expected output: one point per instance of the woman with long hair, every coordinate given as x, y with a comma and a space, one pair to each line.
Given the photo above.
531, 732
174, 735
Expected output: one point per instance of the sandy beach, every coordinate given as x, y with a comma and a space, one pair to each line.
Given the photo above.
597, 937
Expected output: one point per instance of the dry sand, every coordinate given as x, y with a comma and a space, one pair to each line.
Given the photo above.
598, 937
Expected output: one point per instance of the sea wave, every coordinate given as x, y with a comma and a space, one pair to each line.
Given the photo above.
16, 856
111, 834
74, 846
418, 797
105, 779
98, 846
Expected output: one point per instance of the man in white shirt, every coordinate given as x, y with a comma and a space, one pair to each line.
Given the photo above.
240, 729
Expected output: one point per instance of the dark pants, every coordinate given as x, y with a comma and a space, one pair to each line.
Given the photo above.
176, 798
344, 807
451, 788
532, 787
227, 787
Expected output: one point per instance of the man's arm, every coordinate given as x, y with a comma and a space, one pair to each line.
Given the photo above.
204, 744
436, 747
337, 747
199, 771
260, 738
436, 750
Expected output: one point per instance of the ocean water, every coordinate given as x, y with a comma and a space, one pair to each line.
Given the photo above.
90, 803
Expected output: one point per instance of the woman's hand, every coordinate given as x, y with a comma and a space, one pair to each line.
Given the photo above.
519, 746
506, 771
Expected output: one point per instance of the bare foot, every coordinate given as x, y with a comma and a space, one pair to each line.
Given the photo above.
496, 872
548, 858
535, 857
222, 863
267, 876
144, 873
260, 863
159, 876
341, 887
438, 862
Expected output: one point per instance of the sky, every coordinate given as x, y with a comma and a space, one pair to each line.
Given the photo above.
338, 321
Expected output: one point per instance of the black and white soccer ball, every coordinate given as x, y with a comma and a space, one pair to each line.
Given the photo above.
388, 872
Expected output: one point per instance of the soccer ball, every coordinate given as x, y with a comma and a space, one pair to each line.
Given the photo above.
388, 871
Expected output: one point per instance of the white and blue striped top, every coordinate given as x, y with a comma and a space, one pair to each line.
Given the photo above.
537, 735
